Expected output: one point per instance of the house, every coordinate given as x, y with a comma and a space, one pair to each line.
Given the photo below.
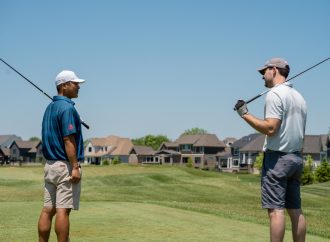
231, 159
200, 149
7, 140
99, 149
143, 155
25, 151
4, 155
246, 149
318, 147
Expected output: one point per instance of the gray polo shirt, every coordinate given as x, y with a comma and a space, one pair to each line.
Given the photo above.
285, 103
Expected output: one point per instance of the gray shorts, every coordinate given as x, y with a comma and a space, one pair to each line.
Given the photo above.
280, 182
60, 192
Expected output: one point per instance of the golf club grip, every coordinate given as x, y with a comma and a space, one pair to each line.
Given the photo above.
250, 100
83, 123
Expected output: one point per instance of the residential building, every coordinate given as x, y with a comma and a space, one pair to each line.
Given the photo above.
99, 149
232, 160
4, 155
245, 151
143, 155
25, 151
200, 149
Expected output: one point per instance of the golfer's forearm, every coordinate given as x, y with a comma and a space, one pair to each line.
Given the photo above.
70, 150
263, 126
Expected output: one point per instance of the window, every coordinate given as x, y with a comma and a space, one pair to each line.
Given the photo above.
223, 163
198, 160
235, 151
89, 149
186, 147
235, 162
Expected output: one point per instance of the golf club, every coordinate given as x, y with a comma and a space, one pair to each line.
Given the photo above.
259, 95
82, 121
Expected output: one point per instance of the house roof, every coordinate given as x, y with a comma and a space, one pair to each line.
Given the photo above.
5, 151
206, 140
7, 140
22, 144
312, 144
142, 150
245, 140
123, 147
170, 144
118, 145
106, 141
255, 145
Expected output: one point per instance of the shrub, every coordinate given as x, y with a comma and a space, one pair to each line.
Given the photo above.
116, 160
322, 173
106, 162
308, 175
258, 163
189, 162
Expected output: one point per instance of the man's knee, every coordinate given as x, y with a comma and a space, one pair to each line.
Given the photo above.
273, 213
294, 213
49, 211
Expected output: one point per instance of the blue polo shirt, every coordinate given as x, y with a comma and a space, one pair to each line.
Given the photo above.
61, 119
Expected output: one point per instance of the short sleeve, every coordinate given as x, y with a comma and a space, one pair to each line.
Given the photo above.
273, 106
68, 122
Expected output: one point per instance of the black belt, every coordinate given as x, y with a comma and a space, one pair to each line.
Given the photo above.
282, 153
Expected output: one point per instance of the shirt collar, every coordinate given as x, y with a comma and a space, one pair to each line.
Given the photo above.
59, 98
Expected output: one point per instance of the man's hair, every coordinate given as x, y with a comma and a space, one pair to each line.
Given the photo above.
59, 87
284, 71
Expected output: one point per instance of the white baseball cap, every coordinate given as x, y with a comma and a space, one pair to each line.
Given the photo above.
67, 76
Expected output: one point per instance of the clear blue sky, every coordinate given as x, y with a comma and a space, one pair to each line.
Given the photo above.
160, 67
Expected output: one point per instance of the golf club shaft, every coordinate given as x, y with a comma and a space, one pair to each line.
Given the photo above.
261, 94
82, 121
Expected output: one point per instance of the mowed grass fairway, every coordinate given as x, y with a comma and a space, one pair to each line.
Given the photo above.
155, 203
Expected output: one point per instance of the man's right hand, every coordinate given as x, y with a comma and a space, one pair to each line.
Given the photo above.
75, 175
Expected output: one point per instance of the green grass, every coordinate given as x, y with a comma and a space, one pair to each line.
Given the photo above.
155, 203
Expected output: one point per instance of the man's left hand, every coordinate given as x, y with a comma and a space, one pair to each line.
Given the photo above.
241, 108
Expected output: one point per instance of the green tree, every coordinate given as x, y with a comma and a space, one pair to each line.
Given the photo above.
34, 138
308, 174
194, 131
258, 163
323, 172
153, 141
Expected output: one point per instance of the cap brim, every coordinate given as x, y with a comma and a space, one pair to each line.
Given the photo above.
262, 70
79, 80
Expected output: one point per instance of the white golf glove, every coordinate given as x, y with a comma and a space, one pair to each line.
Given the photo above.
241, 108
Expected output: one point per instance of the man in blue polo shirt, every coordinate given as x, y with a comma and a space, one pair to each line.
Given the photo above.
62, 146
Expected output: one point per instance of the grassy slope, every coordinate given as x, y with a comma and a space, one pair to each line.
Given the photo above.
152, 203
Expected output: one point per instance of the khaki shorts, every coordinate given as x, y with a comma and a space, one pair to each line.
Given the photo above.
60, 192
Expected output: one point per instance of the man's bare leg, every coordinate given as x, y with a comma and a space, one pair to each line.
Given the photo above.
298, 223
45, 223
62, 224
277, 224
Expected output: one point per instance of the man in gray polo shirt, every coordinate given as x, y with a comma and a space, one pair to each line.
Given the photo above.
284, 126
